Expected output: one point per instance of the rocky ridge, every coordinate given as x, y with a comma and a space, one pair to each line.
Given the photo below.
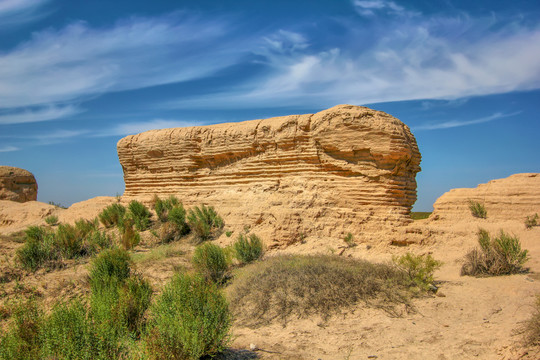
17, 184
340, 170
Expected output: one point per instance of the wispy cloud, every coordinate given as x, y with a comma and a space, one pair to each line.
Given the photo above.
133, 128
8, 148
14, 12
428, 58
46, 113
459, 123
78, 61
374, 7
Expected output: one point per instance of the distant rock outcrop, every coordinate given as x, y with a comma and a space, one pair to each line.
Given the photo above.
511, 198
17, 184
340, 170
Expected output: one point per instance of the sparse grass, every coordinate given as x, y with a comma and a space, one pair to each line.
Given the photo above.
112, 215
39, 249
477, 210
531, 328
129, 237
248, 249
419, 269
531, 221
52, 220
140, 215
189, 320
158, 253
281, 287
420, 215
204, 222
210, 261
500, 255
349, 240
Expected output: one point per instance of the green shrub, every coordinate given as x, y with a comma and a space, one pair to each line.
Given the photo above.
419, 269
133, 301
302, 286
177, 216
38, 250
21, 339
69, 241
140, 215
477, 210
129, 237
162, 207
210, 261
203, 221
531, 221
110, 267
501, 255
85, 227
52, 220
112, 215
247, 249
189, 320
97, 241
349, 240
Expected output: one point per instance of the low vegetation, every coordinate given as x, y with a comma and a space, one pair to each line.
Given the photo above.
189, 320
247, 249
112, 215
477, 210
51, 220
531, 327
162, 207
531, 221
210, 261
499, 255
419, 269
286, 286
139, 214
349, 240
204, 222
420, 215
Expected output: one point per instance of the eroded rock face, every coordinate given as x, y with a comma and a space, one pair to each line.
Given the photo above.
17, 184
511, 198
340, 170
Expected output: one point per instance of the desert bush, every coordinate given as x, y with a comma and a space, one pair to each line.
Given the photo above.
69, 241
21, 340
189, 320
52, 220
129, 237
247, 250
112, 215
162, 207
477, 210
349, 240
531, 328
283, 286
133, 301
531, 221
38, 250
97, 241
177, 216
203, 221
210, 261
85, 227
140, 215
500, 255
110, 267
419, 269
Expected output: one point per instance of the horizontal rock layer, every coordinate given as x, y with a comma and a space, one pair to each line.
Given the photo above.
335, 171
511, 198
17, 184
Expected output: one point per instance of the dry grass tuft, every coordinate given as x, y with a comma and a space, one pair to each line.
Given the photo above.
532, 327
299, 286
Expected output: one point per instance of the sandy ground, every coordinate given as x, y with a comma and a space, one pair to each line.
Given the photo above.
471, 318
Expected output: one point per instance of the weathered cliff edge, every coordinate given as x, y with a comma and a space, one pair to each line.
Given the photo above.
345, 169
511, 198
17, 184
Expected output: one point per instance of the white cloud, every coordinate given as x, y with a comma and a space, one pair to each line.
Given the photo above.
8, 148
373, 7
139, 127
410, 60
47, 113
79, 61
459, 123
14, 12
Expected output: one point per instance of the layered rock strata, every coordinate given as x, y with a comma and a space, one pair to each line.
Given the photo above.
17, 184
511, 198
340, 170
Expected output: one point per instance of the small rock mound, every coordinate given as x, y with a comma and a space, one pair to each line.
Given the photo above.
512, 198
17, 184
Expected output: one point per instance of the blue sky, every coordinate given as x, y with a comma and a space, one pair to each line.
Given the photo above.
76, 76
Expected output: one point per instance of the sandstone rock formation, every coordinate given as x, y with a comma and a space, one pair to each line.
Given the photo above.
512, 198
341, 170
17, 184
